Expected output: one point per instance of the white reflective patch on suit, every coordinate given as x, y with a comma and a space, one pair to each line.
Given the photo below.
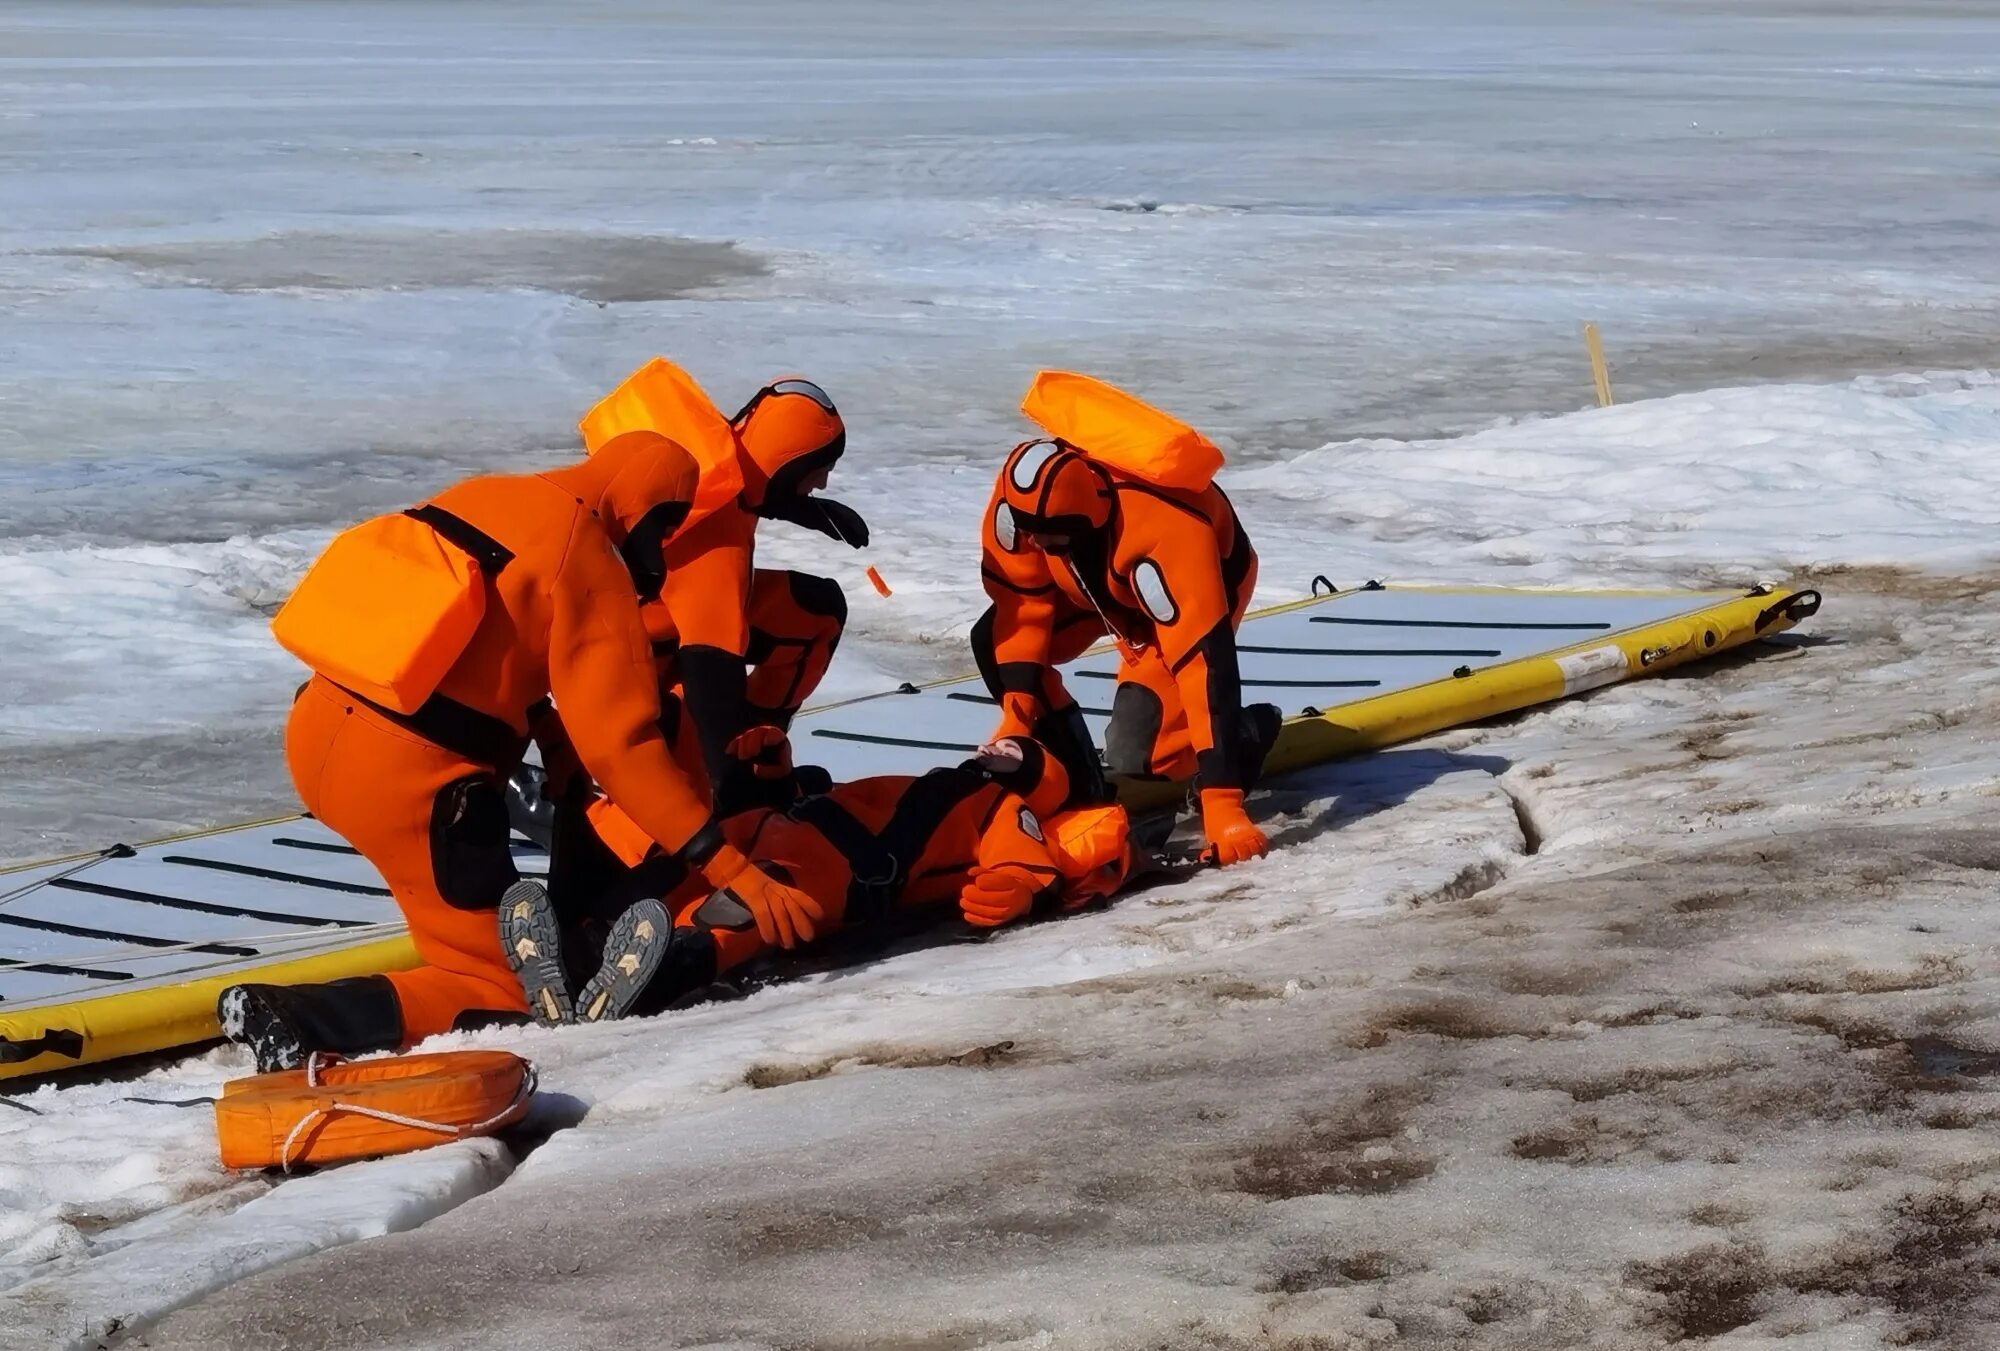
1003, 527
1151, 584
1031, 827
1030, 462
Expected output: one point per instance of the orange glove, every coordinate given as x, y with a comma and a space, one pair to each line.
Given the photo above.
1231, 836
765, 750
996, 896
785, 915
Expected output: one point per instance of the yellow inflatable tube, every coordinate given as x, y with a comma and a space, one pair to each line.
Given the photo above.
1472, 696
113, 1026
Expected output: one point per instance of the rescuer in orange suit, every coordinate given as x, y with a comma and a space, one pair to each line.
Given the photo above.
1114, 526
986, 838
421, 795
742, 647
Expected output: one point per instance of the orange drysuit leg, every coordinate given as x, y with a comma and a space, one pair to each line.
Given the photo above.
1150, 732
435, 826
796, 621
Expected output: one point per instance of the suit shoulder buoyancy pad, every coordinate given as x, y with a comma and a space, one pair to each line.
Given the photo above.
663, 398
392, 604
1120, 431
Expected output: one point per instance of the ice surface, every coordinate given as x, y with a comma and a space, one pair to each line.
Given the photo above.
266, 270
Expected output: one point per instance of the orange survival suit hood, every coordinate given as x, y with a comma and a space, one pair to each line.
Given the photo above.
789, 430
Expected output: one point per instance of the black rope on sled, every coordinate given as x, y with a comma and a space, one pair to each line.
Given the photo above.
171, 1102
115, 851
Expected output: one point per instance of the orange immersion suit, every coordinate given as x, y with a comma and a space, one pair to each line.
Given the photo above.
742, 646
995, 844
421, 795
1126, 536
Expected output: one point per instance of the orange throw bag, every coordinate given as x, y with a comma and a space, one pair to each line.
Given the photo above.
334, 1110
1118, 430
386, 610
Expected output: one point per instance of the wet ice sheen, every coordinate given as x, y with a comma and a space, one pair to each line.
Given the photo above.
1293, 225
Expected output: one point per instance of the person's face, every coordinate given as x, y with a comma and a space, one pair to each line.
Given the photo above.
814, 481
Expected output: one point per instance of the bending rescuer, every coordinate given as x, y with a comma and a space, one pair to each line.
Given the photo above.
437, 638
737, 647
1113, 525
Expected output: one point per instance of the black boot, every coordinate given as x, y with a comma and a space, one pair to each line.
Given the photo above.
1261, 725
531, 936
632, 954
283, 1024
687, 967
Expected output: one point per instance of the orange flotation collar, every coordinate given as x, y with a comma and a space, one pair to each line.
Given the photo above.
333, 1110
1121, 432
1093, 847
661, 397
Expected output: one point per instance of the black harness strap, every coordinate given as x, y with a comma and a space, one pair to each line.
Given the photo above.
491, 555
882, 861
458, 728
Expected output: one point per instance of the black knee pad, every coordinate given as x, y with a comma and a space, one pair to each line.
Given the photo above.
470, 860
819, 596
1136, 717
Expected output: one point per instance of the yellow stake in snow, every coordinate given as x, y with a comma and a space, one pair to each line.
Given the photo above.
1597, 371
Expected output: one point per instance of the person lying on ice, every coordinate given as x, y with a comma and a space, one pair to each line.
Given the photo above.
736, 646
1113, 525
430, 634
987, 838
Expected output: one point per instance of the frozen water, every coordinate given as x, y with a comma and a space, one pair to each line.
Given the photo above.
266, 270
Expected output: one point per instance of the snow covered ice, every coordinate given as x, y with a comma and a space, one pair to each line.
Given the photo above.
1664, 1015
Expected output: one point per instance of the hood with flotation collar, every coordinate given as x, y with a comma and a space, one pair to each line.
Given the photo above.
788, 431
641, 486
661, 397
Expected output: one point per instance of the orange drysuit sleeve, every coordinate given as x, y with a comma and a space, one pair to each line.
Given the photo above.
601, 674
1014, 839
1194, 626
707, 591
1014, 873
1026, 609
708, 581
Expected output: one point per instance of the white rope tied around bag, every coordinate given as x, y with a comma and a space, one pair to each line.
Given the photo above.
521, 1095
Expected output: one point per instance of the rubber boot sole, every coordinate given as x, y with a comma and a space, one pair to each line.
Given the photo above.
532, 939
249, 1019
632, 954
